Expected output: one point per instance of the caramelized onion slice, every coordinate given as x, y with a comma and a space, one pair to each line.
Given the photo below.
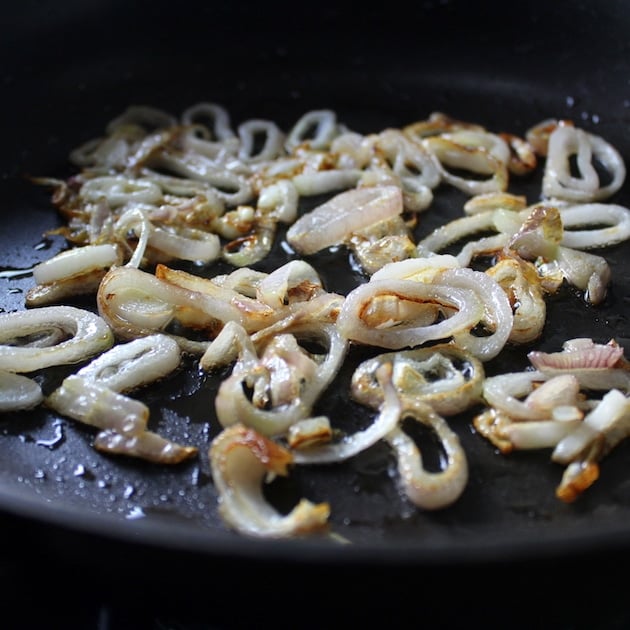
241, 460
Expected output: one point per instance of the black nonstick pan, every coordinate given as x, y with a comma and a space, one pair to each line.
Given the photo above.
68, 70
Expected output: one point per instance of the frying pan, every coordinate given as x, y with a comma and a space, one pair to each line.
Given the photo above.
67, 70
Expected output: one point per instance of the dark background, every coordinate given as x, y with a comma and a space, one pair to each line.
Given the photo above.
68, 68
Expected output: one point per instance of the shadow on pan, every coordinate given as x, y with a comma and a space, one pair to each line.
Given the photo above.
68, 70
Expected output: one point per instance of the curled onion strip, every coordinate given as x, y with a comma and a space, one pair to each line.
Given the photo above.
616, 218
376, 313
429, 490
326, 129
443, 376
272, 147
88, 335
350, 445
18, 392
241, 460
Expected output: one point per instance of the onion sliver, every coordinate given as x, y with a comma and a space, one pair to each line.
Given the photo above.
395, 333
18, 392
89, 335
349, 211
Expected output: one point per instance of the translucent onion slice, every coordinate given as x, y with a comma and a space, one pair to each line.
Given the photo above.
350, 445
241, 460
135, 363
429, 490
615, 217
442, 375
18, 392
147, 445
332, 222
385, 313
85, 335
77, 260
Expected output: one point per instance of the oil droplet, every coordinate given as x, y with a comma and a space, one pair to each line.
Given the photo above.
135, 513
57, 438
79, 471
570, 101
15, 273
40, 474
44, 244
14, 291
129, 492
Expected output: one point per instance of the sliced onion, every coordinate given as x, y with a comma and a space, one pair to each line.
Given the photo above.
333, 221
241, 460
88, 335
18, 392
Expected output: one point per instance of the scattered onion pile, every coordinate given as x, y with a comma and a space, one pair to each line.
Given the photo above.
155, 190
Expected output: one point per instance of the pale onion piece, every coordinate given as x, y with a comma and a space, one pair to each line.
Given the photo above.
142, 115
280, 200
198, 138
85, 335
233, 405
443, 376
537, 434
295, 280
76, 260
477, 160
507, 393
389, 415
56, 292
559, 391
616, 219
232, 188
146, 445
558, 181
429, 490
588, 272
217, 114
99, 406
186, 244
241, 460
495, 201
129, 365
416, 196
119, 190
135, 218
493, 143
456, 230
353, 150
422, 269
230, 344
600, 431
438, 123
317, 128
334, 220
391, 325
248, 133
538, 135
417, 170
310, 432
243, 280
18, 392
311, 183
497, 319
520, 282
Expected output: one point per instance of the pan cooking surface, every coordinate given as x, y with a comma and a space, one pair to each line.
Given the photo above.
51, 473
